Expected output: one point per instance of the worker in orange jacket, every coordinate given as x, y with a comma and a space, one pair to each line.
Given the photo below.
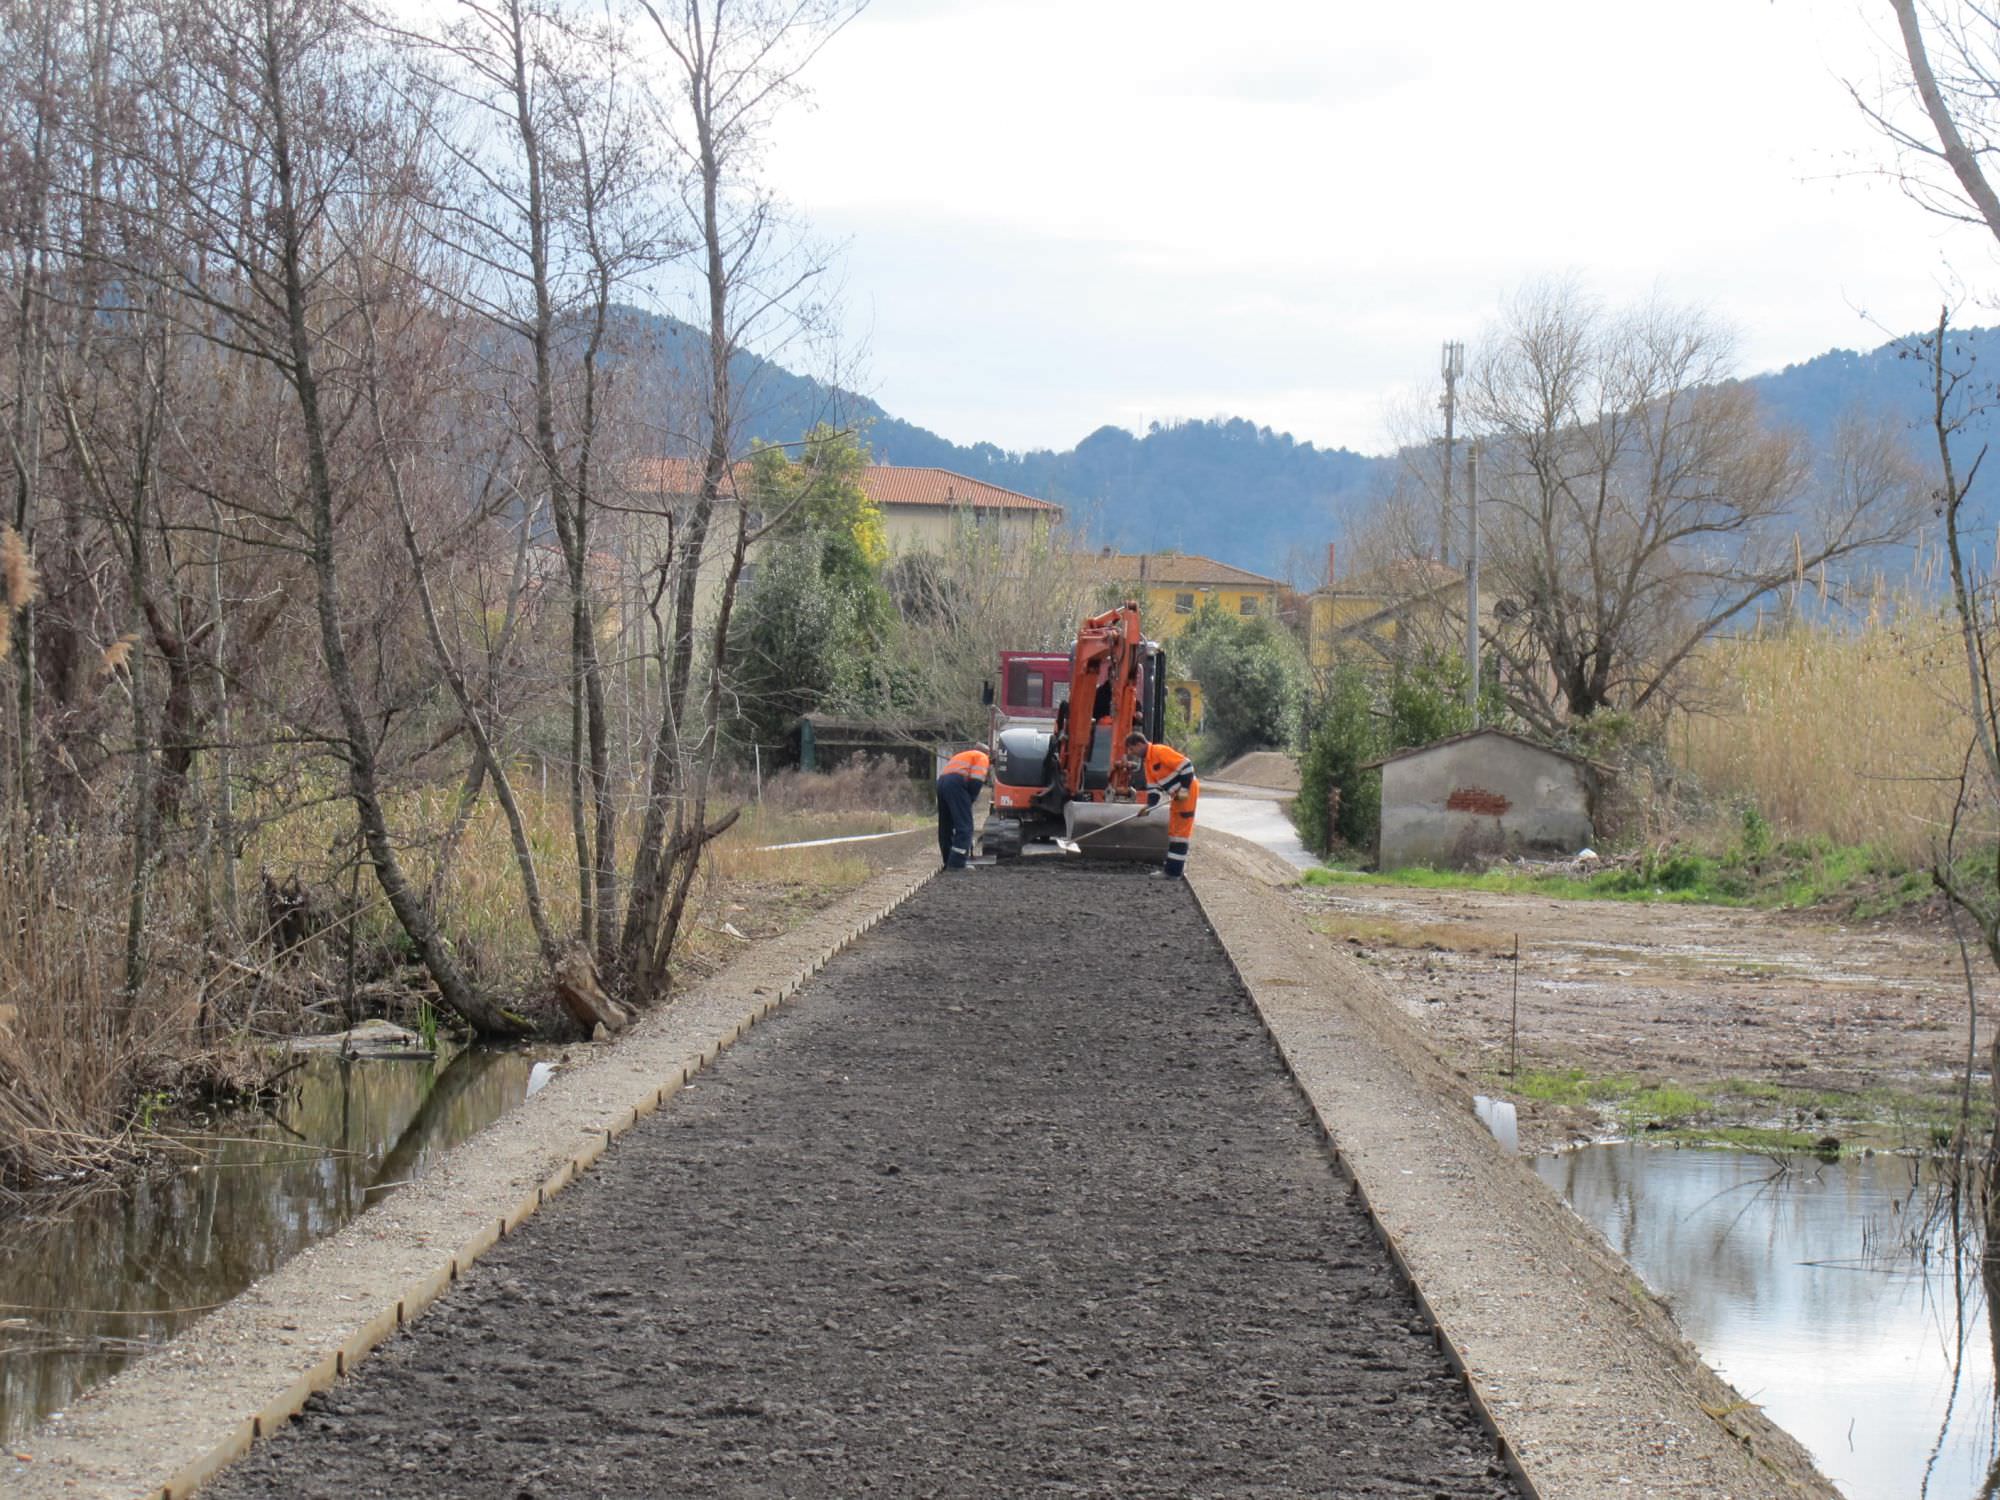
958, 786
1162, 771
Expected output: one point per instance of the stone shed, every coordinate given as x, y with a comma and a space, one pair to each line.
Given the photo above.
1458, 800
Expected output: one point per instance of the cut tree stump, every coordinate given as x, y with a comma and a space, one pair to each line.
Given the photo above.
582, 994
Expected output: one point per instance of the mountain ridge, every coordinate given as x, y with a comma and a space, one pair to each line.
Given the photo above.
1243, 493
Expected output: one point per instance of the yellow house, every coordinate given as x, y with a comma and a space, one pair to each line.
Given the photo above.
1172, 587
1373, 616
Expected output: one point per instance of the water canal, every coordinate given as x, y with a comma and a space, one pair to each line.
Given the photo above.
1837, 1295
98, 1281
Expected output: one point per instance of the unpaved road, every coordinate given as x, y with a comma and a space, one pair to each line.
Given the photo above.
1665, 992
1015, 1201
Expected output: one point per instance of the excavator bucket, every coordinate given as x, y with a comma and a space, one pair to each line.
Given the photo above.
1115, 830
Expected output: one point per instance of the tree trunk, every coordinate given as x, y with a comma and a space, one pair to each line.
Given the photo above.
650, 865
415, 918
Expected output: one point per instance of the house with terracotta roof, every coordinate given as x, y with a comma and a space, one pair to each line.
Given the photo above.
1172, 587
920, 507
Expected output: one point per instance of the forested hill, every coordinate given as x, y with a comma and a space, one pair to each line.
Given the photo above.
1226, 488
1243, 493
1814, 395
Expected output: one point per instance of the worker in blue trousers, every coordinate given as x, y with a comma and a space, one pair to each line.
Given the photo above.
958, 787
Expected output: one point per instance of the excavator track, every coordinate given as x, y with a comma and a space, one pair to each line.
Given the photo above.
1016, 1200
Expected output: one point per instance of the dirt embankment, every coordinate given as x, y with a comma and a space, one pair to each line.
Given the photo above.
1777, 1019
1267, 770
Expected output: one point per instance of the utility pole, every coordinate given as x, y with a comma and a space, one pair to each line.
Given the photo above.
1472, 583
1451, 365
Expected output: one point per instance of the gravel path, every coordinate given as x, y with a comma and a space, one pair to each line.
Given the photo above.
1016, 1200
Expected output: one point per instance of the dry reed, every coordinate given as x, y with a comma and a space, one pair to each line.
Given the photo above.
75, 1051
18, 583
78, 1056
1853, 732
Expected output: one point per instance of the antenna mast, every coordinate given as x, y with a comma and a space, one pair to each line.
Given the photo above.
1451, 365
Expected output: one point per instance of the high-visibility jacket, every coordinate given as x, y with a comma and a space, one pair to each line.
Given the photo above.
1167, 771
973, 765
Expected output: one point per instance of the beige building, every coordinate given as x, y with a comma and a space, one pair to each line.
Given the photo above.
920, 507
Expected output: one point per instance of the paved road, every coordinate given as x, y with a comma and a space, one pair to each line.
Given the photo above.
1255, 814
1015, 1201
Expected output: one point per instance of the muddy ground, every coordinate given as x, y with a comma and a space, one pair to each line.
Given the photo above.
1017, 1199
1819, 1023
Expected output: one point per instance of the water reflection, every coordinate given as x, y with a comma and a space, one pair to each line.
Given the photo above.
82, 1294
1842, 1297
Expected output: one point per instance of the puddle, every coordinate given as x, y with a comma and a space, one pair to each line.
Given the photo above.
82, 1295
1827, 1293
1498, 1116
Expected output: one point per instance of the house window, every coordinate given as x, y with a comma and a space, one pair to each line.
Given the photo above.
747, 577
1248, 605
1184, 604
754, 522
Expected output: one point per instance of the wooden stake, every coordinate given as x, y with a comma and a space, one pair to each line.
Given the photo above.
1514, 1017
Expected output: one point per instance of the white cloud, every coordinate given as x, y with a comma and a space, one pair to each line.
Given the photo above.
1059, 214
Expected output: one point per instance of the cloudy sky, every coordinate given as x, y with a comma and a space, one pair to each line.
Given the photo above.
1060, 213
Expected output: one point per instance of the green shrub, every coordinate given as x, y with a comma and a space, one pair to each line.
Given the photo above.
1342, 731
1250, 673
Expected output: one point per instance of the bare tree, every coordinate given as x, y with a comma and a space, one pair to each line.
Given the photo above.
1941, 117
731, 64
299, 131
556, 198
959, 607
1634, 500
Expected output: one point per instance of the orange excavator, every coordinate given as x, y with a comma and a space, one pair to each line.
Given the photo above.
1058, 738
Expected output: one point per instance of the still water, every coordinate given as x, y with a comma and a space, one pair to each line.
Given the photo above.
1827, 1292
83, 1293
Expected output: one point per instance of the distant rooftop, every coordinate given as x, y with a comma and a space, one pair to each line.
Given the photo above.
1175, 567
885, 484
1399, 580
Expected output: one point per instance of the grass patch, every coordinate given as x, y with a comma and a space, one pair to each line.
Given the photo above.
1861, 880
1754, 1114
1664, 1103
1569, 1087
1745, 1138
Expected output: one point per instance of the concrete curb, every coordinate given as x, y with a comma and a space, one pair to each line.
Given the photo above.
173, 1420
1452, 1354
1581, 1376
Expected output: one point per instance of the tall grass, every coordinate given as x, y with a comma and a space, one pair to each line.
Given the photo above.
75, 1051
78, 1057
1849, 731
